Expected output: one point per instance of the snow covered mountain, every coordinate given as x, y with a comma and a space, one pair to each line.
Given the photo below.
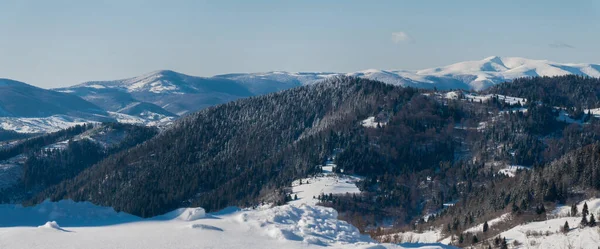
163, 92
166, 91
481, 74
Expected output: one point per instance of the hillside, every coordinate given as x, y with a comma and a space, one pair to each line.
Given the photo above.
30, 165
210, 149
18, 99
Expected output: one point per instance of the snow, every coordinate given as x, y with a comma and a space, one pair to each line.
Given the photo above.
299, 224
511, 170
492, 222
547, 235
483, 98
96, 86
41, 125
429, 236
153, 119
59, 122
370, 122
53, 225
192, 214
466, 75
593, 207
84, 225
325, 183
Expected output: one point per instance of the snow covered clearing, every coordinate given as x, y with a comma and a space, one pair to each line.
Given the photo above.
325, 183
484, 98
511, 170
548, 235
370, 122
491, 223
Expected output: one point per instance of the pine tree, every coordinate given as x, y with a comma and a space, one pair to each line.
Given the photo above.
497, 241
485, 227
574, 210
584, 221
475, 239
461, 239
504, 244
585, 210
592, 222
566, 227
295, 196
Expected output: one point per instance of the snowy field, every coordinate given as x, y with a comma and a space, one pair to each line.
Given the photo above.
371, 123
511, 170
484, 98
300, 224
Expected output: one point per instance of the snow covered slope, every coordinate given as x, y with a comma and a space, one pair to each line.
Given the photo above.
299, 224
493, 70
475, 75
59, 122
67, 224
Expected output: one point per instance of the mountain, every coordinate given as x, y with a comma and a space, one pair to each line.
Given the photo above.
163, 92
261, 143
18, 99
482, 74
172, 94
468, 75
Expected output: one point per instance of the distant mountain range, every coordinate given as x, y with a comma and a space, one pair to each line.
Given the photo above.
165, 95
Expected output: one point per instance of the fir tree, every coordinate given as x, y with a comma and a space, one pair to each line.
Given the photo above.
475, 239
504, 244
584, 221
566, 227
592, 222
574, 210
485, 227
585, 210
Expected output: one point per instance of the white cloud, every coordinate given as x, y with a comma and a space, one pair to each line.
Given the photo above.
398, 37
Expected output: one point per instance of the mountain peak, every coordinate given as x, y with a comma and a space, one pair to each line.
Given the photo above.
165, 72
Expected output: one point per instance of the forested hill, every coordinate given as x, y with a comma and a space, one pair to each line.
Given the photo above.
236, 153
564, 91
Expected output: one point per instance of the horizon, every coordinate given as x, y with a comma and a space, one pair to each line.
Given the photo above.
258, 72
63, 43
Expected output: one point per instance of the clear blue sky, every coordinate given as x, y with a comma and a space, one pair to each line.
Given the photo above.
59, 43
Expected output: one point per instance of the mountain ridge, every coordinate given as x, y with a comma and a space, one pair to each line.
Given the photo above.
180, 93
